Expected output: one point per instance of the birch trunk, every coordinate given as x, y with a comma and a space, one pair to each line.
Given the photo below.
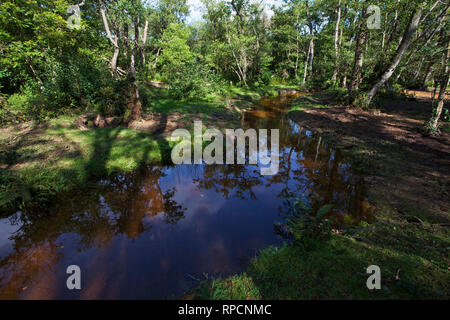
305, 71
432, 125
112, 39
356, 76
336, 43
406, 41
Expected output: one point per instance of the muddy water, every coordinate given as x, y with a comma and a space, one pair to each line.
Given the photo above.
154, 232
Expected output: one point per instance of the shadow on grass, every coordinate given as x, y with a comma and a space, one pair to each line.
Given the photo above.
44, 163
390, 147
337, 270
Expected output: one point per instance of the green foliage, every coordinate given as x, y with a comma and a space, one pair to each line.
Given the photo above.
194, 82
186, 76
176, 52
59, 70
308, 228
446, 115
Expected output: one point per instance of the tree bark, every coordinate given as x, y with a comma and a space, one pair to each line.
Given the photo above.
336, 43
432, 125
135, 103
406, 41
297, 38
356, 76
241, 69
310, 56
112, 39
305, 71
426, 75
144, 41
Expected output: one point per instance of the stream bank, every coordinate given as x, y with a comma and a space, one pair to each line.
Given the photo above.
408, 182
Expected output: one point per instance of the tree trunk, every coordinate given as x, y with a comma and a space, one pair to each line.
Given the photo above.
336, 44
306, 64
406, 41
241, 69
432, 125
356, 76
296, 49
416, 74
144, 41
135, 105
426, 75
113, 64
311, 58
310, 55
112, 39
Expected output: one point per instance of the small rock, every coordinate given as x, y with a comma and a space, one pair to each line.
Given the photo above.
99, 121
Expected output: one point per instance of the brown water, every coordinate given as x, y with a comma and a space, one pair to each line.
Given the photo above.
152, 233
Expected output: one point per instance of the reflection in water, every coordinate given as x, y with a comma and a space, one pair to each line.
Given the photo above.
151, 233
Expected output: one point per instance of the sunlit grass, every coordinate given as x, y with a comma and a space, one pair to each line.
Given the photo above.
58, 157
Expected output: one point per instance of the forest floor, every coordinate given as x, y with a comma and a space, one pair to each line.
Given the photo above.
411, 171
407, 176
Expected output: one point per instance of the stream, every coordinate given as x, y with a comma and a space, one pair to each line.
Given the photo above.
155, 232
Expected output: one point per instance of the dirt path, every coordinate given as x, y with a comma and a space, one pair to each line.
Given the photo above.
407, 171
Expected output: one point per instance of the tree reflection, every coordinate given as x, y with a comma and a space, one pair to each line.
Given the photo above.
123, 205
308, 170
128, 205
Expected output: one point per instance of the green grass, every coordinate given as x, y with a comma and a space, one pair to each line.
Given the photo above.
303, 106
160, 101
412, 259
39, 161
57, 157
312, 101
168, 106
412, 255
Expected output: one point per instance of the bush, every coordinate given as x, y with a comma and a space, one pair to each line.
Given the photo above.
307, 228
72, 85
446, 115
21, 107
193, 81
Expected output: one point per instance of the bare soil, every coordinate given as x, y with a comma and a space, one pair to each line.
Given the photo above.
405, 170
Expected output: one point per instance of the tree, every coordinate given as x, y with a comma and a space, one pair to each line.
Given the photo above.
404, 44
432, 125
336, 43
127, 16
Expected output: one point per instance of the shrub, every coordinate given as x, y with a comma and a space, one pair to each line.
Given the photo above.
193, 81
308, 228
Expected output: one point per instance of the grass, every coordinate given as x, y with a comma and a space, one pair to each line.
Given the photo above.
412, 259
407, 239
40, 161
158, 100
313, 101
303, 106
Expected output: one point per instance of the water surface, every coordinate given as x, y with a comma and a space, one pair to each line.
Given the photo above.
155, 232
